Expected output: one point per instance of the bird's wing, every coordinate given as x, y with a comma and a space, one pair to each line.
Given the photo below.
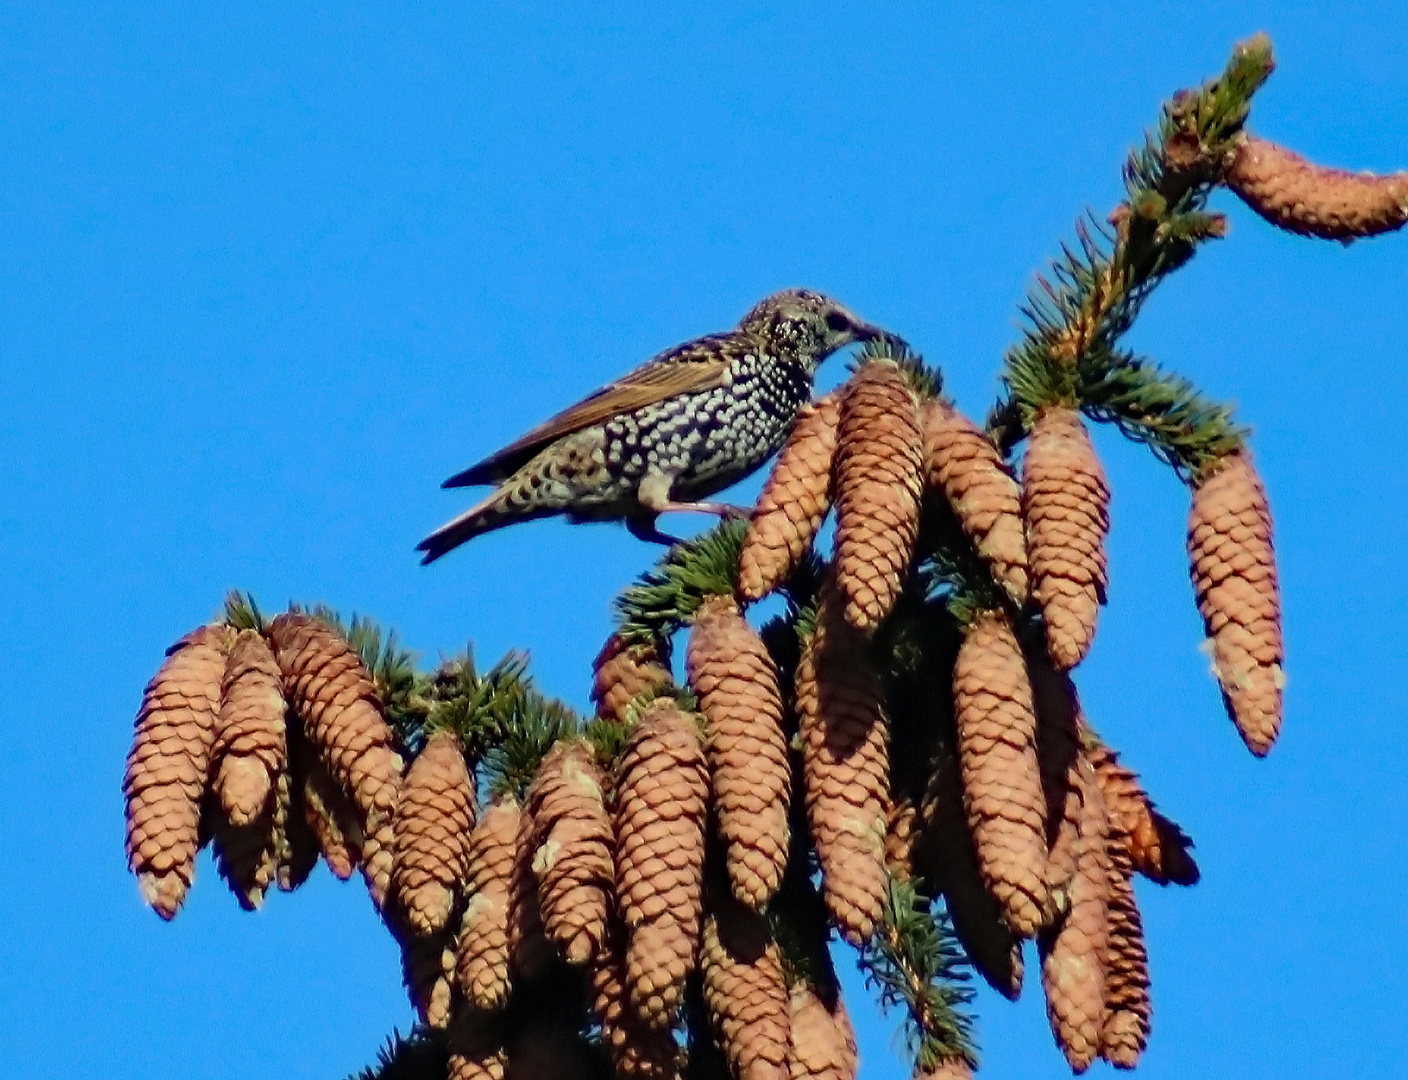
699, 365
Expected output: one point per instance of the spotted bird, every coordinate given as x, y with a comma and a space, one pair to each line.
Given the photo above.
677, 429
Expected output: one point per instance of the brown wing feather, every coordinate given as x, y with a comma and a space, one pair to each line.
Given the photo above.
699, 365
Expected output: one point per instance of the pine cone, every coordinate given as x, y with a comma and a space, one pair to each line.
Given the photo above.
823, 1043
965, 465
250, 746
428, 972
623, 672
945, 857
1312, 200
793, 502
844, 733
737, 683
1158, 848
901, 823
332, 693
297, 842
1128, 1010
432, 826
169, 765
1058, 754
879, 480
574, 849
996, 724
1066, 504
529, 950
1234, 576
639, 1052
1073, 950
482, 953
329, 813
745, 992
661, 801
475, 1044
248, 856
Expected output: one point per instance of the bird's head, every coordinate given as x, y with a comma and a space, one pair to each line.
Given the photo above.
805, 326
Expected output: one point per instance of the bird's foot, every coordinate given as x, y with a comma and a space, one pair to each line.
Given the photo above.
645, 529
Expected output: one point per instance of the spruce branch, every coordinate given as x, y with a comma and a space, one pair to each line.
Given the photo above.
925, 381
666, 597
418, 1055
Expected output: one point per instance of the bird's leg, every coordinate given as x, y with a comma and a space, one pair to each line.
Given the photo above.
722, 510
644, 528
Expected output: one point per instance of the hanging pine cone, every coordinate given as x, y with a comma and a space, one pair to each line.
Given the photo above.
169, 765
529, 950
1073, 950
638, 1051
996, 724
1058, 751
623, 672
329, 812
1157, 847
901, 823
945, 857
482, 952
661, 801
793, 502
331, 691
964, 464
1312, 200
247, 856
879, 480
844, 733
250, 746
1124, 1031
428, 973
434, 816
475, 1044
1066, 502
737, 683
823, 1043
1234, 576
745, 992
574, 848
297, 842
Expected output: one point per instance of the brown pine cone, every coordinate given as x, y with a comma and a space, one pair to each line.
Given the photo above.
949, 1068
248, 856
661, 801
965, 465
1312, 200
879, 481
944, 856
434, 816
1157, 847
844, 734
1124, 1031
901, 823
1073, 950
332, 692
428, 972
475, 1044
996, 723
793, 502
623, 672
573, 850
1066, 503
297, 842
745, 992
482, 952
823, 1043
1234, 576
737, 682
250, 745
330, 813
529, 950
638, 1051
169, 765
1059, 722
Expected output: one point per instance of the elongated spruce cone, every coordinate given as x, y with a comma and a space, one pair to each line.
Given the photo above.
332, 692
574, 850
1059, 722
745, 992
169, 766
481, 961
623, 672
1073, 950
996, 723
793, 502
1124, 1031
661, 802
1233, 564
823, 1042
844, 734
330, 813
1066, 502
434, 816
1312, 200
428, 972
879, 481
250, 743
638, 1051
1157, 847
737, 683
964, 464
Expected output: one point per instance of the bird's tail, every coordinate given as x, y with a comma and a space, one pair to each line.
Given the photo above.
503, 507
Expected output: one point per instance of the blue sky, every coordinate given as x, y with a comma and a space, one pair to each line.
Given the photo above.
269, 274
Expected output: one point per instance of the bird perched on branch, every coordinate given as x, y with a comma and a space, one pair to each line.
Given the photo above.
677, 429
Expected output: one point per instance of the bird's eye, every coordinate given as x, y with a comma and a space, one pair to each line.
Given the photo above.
838, 322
